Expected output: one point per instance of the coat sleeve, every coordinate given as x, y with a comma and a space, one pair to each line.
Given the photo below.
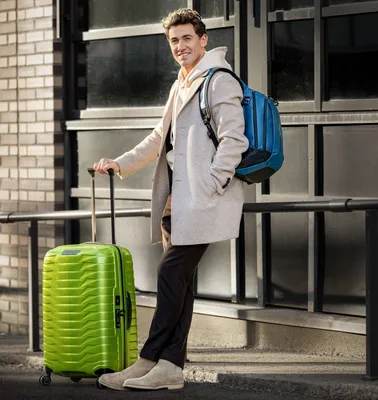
147, 150
142, 154
225, 97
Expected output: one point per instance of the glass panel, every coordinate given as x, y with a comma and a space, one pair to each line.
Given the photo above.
289, 260
289, 4
214, 8
350, 161
91, 149
214, 274
251, 252
335, 2
293, 176
293, 60
344, 270
111, 13
352, 42
138, 71
134, 71
131, 233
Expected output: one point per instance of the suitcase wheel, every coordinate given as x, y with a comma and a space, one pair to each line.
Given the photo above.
75, 380
45, 380
98, 384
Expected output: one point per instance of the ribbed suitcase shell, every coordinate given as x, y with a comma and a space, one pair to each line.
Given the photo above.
82, 286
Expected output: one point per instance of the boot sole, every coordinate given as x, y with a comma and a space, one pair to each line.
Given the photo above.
169, 387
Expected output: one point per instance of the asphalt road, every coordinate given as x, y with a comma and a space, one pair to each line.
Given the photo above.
21, 384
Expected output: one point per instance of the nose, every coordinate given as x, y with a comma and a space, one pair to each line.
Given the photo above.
181, 45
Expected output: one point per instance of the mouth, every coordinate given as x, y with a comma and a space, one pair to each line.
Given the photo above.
183, 54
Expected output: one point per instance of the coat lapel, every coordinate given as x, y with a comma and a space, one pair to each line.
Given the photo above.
167, 115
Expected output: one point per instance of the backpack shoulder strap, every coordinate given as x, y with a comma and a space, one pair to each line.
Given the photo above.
204, 100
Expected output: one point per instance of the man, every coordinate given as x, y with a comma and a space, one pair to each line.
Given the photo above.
195, 198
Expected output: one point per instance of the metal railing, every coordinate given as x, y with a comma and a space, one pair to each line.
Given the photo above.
370, 207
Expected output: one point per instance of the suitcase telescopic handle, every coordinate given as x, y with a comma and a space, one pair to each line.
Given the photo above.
112, 201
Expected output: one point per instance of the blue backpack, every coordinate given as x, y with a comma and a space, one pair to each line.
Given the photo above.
263, 129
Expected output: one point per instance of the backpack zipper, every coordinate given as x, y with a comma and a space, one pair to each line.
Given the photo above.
256, 144
265, 122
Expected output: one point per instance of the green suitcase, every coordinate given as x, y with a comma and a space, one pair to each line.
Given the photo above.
89, 307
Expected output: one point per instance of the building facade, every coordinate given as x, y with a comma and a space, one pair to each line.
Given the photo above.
31, 144
94, 84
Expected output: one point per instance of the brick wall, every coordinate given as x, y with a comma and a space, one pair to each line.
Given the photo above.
31, 145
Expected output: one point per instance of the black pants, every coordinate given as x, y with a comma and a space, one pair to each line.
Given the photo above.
173, 314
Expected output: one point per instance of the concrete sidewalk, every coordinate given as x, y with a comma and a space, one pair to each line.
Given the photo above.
255, 370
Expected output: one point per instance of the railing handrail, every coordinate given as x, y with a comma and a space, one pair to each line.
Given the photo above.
337, 205
71, 215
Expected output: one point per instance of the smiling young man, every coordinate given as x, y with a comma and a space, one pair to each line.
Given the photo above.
195, 198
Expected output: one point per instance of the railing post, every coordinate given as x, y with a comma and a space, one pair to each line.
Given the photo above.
33, 284
240, 265
371, 229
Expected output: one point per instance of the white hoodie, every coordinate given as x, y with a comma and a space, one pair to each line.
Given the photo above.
212, 59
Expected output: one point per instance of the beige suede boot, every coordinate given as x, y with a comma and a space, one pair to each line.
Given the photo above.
164, 375
115, 380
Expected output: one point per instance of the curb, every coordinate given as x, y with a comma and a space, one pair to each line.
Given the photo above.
285, 385
282, 385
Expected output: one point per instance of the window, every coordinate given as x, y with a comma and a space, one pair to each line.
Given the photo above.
289, 254
94, 145
289, 4
350, 161
214, 8
352, 56
112, 13
293, 177
119, 76
293, 60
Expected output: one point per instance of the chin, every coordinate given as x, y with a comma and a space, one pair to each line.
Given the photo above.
187, 63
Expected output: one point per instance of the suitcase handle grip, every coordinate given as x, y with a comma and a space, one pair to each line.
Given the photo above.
129, 310
92, 172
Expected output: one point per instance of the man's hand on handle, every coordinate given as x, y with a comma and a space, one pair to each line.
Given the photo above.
104, 165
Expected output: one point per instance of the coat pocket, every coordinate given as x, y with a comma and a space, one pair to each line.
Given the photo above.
208, 181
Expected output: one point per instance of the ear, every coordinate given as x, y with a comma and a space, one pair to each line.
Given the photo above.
204, 40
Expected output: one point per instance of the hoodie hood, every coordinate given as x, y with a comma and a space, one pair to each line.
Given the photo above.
214, 58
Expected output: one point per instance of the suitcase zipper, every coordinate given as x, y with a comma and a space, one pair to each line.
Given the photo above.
126, 303
118, 312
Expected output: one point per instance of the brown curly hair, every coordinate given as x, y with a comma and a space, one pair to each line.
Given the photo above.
184, 16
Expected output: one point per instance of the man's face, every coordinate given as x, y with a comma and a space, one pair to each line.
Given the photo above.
186, 46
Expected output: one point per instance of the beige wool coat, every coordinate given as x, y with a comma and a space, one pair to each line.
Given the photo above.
207, 200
